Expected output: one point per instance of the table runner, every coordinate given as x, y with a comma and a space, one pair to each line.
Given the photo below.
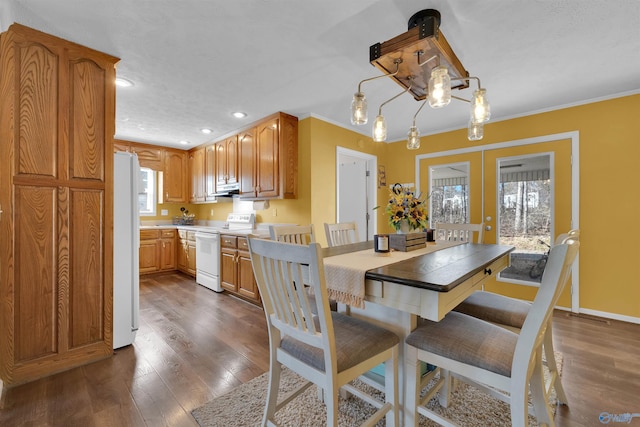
345, 273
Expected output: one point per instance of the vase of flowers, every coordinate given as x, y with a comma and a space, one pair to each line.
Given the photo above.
406, 210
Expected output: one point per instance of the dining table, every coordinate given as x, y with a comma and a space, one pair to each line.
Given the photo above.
397, 290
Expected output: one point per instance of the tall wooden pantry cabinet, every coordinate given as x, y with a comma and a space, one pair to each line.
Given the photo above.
57, 121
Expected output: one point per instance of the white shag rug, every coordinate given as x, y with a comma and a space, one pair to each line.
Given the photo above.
243, 406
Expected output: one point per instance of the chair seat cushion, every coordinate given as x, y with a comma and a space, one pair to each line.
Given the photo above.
495, 308
356, 341
468, 340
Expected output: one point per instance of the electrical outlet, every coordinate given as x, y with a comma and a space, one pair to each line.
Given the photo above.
275, 212
164, 212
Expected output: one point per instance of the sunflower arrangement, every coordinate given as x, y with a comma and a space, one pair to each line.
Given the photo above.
404, 204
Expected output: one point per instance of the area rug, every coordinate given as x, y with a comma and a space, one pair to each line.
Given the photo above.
243, 407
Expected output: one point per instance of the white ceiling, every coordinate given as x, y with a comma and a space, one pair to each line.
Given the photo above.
195, 61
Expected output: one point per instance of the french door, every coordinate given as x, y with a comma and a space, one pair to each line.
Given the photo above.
522, 191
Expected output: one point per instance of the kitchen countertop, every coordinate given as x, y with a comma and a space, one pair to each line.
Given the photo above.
260, 232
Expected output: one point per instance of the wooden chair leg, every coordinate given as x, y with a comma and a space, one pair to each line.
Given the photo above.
539, 395
272, 393
556, 382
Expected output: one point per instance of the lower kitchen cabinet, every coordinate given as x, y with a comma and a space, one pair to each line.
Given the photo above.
157, 250
236, 271
186, 258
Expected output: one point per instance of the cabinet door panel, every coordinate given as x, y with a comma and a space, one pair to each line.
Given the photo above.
267, 161
168, 254
247, 169
228, 270
246, 280
87, 134
148, 256
35, 287
37, 109
210, 172
86, 288
175, 173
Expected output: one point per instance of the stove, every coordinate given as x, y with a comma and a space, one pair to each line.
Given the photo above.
241, 221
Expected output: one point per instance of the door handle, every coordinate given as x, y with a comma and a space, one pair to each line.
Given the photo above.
488, 228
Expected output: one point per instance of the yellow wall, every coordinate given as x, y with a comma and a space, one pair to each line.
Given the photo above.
609, 155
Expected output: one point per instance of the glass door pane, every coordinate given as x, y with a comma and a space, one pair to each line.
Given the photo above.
525, 213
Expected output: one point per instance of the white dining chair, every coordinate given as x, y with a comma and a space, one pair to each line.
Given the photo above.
511, 313
341, 233
493, 359
328, 349
459, 232
299, 234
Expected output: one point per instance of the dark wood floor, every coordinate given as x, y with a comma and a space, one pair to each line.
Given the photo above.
194, 344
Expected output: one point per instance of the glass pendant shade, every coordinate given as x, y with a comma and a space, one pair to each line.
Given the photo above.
413, 138
475, 132
379, 132
359, 109
439, 87
480, 108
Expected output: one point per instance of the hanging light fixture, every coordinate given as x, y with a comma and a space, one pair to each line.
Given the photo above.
439, 87
480, 108
359, 115
431, 80
475, 131
379, 130
413, 137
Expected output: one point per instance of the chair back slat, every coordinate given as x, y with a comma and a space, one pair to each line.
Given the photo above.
282, 270
342, 233
296, 234
460, 232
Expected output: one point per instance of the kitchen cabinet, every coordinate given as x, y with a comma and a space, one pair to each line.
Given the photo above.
247, 162
57, 121
197, 170
149, 156
236, 271
269, 159
210, 172
227, 162
157, 250
174, 180
186, 259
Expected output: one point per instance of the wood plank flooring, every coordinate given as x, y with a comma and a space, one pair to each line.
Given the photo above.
194, 344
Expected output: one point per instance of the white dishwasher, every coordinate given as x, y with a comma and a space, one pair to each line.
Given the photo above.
208, 259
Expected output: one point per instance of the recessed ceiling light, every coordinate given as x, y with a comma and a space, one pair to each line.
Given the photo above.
239, 115
183, 142
206, 131
122, 82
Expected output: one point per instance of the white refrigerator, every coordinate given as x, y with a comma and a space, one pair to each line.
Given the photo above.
126, 244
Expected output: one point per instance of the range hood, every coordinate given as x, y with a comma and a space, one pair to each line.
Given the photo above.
227, 190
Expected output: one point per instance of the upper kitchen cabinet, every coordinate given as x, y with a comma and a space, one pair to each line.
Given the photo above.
269, 159
226, 162
197, 173
174, 181
247, 164
149, 156
210, 173
57, 121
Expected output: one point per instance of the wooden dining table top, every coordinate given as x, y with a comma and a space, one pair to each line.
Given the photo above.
441, 270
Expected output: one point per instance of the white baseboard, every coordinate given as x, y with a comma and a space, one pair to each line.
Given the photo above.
613, 316
604, 314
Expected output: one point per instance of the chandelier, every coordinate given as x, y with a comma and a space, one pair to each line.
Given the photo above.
423, 63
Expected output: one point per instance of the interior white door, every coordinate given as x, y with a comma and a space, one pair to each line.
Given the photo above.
354, 200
